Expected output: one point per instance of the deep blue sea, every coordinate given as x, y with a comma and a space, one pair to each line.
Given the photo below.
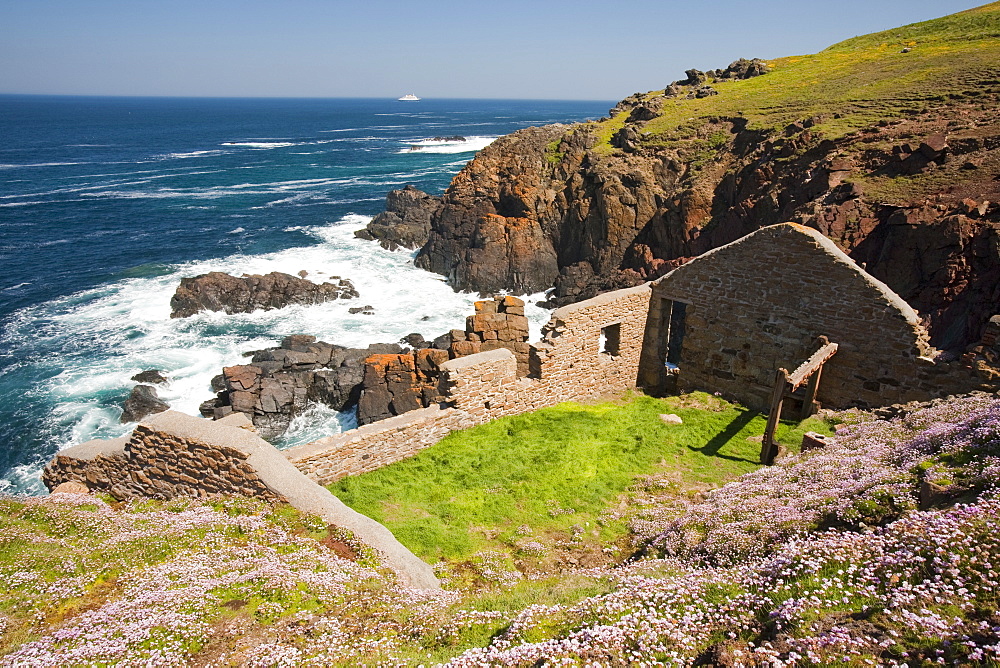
106, 203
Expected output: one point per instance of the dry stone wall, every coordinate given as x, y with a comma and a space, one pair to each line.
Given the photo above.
376, 445
173, 454
572, 362
159, 464
760, 303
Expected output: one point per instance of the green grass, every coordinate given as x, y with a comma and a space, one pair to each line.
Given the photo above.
861, 80
555, 472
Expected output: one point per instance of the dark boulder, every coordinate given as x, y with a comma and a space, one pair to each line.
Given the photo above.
406, 221
141, 402
217, 291
281, 382
744, 69
694, 78
151, 376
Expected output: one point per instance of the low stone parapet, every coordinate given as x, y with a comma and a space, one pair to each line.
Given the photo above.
376, 445
172, 454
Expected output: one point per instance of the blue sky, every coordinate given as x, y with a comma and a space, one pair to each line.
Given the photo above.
582, 49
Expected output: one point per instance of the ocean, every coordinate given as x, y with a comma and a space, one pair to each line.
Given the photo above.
106, 203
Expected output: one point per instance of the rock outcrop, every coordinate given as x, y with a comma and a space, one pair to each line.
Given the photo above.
143, 401
152, 376
280, 383
912, 198
382, 380
217, 291
489, 234
406, 221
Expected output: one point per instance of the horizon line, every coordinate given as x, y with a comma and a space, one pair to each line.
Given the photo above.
297, 97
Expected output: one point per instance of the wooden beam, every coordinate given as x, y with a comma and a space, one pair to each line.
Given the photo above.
809, 401
811, 365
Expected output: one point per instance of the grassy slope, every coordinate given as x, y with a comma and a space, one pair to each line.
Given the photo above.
864, 80
540, 474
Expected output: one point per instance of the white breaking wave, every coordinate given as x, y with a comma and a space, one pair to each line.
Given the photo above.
260, 144
43, 164
276, 144
194, 154
109, 334
467, 145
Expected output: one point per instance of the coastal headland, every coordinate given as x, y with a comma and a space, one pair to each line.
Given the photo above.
815, 234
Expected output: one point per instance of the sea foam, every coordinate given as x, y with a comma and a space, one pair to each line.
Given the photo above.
467, 145
97, 340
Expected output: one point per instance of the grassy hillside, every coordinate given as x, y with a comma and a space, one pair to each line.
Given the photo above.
822, 559
862, 80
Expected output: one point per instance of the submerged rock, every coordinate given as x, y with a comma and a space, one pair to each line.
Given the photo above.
151, 376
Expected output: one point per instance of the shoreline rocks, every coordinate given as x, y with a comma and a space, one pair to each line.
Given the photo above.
141, 402
217, 291
382, 380
406, 221
280, 383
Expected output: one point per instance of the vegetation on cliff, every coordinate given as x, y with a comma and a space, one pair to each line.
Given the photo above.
851, 85
889, 144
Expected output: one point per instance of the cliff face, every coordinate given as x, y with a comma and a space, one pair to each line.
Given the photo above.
889, 144
490, 232
542, 208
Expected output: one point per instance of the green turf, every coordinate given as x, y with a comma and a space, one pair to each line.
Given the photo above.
849, 85
554, 469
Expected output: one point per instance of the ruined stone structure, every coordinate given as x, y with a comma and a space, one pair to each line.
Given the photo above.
161, 464
394, 384
589, 349
498, 323
172, 454
725, 322
759, 304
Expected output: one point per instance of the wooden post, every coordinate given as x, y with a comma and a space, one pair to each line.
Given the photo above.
768, 448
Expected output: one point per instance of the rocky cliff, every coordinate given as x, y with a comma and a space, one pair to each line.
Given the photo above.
889, 144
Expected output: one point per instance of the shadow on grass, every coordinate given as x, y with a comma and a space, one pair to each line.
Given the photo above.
712, 447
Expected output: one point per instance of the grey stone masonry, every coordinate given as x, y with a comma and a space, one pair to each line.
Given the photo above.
375, 445
172, 454
759, 303
569, 364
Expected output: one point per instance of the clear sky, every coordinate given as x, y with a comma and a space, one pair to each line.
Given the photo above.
569, 49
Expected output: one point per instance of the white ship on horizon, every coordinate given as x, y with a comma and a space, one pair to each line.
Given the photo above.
409, 97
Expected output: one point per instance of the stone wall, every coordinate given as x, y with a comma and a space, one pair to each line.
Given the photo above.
161, 465
498, 323
376, 445
760, 303
568, 364
395, 384
172, 454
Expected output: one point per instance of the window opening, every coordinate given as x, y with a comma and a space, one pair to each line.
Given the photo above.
610, 342
672, 317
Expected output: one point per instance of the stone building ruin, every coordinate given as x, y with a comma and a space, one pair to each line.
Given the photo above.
724, 322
